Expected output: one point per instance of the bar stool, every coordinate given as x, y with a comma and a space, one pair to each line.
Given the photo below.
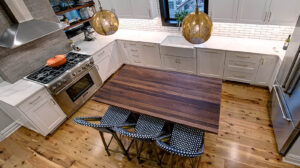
185, 142
146, 130
114, 117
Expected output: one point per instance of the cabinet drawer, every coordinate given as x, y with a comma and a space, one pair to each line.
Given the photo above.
238, 74
177, 51
241, 64
243, 57
100, 55
35, 101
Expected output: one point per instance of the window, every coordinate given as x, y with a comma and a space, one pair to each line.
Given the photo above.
168, 9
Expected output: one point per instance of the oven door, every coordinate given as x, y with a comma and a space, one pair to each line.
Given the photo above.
79, 91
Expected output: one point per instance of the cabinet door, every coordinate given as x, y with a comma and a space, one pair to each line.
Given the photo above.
266, 70
170, 62
210, 63
223, 10
284, 13
150, 55
46, 116
122, 8
141, 9
186, 65
253, 11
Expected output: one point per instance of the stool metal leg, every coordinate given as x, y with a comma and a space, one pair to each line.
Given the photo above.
104, 143
155, 153
139, 152
121, 145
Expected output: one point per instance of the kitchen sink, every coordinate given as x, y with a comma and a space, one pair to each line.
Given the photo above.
176, 41
177, 46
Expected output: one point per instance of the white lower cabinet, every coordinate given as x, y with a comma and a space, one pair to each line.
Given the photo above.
39, 113
108, 60
210, 63
150, 55
266, 70
180, 64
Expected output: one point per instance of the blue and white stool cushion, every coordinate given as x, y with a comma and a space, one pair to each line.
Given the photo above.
147, 128
185, 141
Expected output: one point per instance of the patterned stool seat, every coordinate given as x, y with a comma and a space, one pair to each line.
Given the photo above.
147, 129
185, 141
114, 117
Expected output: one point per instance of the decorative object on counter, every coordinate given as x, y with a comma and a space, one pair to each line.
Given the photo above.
286, 43
88, 34
56, 61
73, 46
105, 22
179, 16
197, 27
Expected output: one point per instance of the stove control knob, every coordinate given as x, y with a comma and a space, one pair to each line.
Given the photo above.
53, 87
92, 62
74, 73
59, 84
63, 80
83, 67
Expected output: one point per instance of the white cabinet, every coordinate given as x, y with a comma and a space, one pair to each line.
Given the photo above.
284, 13
253, 11
150, 54
241, 67
122, 8
210, 63
39, 112
139, 9
266, 69
223, 10
108, 60
180, 64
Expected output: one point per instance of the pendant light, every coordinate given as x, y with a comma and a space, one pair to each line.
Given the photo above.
105, 22
197, 27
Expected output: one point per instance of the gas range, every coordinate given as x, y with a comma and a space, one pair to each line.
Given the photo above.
55, 79
71, 84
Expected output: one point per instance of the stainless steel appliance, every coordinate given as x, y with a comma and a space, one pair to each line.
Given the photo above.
25, 28
284, 104
72, 84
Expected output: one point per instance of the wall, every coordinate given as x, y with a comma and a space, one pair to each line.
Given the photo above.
266, 32
19, 62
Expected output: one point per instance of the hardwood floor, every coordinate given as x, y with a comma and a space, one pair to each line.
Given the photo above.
245, 139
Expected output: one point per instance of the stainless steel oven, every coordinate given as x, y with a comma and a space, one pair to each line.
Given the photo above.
76, 93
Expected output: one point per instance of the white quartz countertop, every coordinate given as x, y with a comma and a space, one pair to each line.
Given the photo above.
14, 94
258, 46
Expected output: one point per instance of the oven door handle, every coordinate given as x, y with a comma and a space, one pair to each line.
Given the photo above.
74, 81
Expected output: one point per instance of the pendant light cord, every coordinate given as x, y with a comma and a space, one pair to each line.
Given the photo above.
197, 9
100, 5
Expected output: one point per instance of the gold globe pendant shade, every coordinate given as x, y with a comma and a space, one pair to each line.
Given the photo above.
105, 22
197, 27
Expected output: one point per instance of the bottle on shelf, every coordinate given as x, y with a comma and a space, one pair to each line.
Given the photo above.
286, 43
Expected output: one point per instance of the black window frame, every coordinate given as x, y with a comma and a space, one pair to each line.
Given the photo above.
165, 14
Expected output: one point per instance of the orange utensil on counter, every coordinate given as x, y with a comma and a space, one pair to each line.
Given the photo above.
56, 61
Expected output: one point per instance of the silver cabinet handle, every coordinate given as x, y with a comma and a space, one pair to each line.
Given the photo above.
241, 65
148, 45
281, 108
36, 99
239, 76
177, 61
54, 103
244, 57
134, 50
262, 61
211, 52
270, 16
266, 15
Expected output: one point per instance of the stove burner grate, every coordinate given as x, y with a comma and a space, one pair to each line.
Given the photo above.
46, 74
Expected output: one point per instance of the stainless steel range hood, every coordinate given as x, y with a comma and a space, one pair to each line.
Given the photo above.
25, 29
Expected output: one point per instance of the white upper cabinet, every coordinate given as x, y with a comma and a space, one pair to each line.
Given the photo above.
139, 9
223, 10
123, 8
274, 12
253, 11
284, 12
